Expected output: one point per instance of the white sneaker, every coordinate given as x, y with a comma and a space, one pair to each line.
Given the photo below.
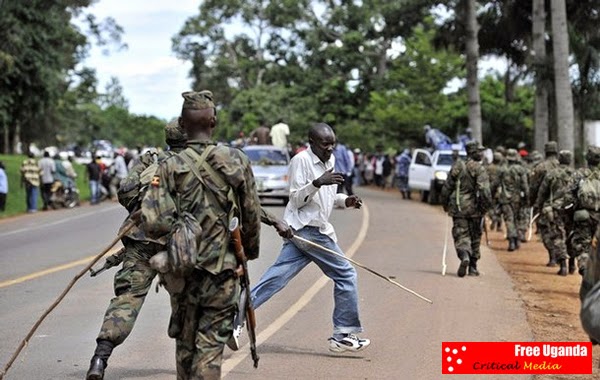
350, 342
234, 342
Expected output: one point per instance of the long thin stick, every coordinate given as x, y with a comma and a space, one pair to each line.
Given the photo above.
444, 266
530, 233
60, 298
363, 267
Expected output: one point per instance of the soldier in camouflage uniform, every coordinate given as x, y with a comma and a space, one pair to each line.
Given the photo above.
585, 217
495, 213
556, 234
523, 213
466, 197
203, 308
512, 189
133, 280
537, 176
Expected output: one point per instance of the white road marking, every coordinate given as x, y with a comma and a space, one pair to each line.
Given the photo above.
62, 220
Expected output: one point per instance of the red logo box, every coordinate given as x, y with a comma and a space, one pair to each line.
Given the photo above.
521, 358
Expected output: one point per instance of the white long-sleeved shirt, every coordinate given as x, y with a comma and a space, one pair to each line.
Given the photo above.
310, 205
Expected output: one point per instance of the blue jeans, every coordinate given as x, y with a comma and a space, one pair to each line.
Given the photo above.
294, 256
32, 197
94, 191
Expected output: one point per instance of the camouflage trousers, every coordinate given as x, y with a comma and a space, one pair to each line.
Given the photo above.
466, 233
522, 221
495, 214
510, 214
552, 230
584, 230
131, 286
204, 312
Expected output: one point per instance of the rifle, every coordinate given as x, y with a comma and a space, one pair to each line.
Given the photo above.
111, 261
242, 273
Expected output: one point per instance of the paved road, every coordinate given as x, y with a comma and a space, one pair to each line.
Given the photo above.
398, 238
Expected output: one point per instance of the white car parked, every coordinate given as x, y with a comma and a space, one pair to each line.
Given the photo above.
428, 172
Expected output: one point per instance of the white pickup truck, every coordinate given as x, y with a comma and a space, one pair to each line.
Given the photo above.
428, 172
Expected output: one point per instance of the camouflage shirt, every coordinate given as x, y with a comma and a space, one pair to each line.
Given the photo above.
553, 184
175, 186
537, 176
510, 184
466, 192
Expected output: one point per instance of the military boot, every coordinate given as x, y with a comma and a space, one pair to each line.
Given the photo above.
96, 371
511, 244
572, 266
563, 268
473, 268
464, 263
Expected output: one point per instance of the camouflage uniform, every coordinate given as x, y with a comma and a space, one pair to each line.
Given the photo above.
511, 187
203, 310
537, 176
133, 280
466, 197
585, 221
523, 214
556, 235
495, 213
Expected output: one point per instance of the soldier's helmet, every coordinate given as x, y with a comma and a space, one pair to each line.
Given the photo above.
512, 155
174, 134
473, 147
565, 157
500, 149
593, 155
498, 157
551, 147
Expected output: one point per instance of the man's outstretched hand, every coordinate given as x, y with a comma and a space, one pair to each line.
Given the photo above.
353, 201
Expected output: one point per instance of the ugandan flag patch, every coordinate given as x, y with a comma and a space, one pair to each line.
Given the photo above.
155, 181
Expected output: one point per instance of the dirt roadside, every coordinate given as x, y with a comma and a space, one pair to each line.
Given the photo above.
551, 301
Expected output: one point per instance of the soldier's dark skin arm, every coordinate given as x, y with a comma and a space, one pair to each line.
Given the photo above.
282, 227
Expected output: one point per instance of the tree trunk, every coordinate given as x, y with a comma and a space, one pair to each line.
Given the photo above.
539, 61
472, 53
563, 91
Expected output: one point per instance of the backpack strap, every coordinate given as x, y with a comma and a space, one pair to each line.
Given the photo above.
186, 156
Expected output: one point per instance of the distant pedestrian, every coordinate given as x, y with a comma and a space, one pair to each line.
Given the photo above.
48, 169
261, 135
3, 187
94, 173
279, 133
120, 172
343, 166
30, 178
402, 165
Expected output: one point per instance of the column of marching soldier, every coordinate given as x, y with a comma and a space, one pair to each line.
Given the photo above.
547, 193
526, 192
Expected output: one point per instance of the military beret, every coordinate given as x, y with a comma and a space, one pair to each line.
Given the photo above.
565, 157
193, 100
512, 155
473, 146
551, 147
174, 132
593, 154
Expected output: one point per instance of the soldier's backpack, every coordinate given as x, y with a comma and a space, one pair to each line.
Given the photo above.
588, 192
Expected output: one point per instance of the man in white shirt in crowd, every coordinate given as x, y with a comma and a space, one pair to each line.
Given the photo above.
279, 133
312, 198
120, 172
